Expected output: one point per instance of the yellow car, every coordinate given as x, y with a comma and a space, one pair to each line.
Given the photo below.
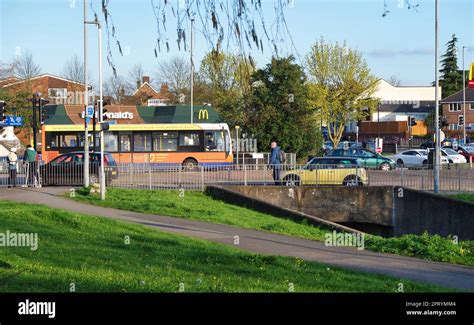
328, 171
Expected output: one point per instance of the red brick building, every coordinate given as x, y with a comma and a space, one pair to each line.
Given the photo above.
56, 89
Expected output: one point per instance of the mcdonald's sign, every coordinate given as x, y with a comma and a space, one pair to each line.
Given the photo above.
203, 114
470, 82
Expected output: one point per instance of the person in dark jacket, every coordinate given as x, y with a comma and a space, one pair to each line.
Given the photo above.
31, 160
275, 162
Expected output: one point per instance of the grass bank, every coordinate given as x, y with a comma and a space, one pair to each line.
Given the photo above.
95, 254
198, 206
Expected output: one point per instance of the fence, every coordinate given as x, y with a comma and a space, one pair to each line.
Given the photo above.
453, 177
255, 158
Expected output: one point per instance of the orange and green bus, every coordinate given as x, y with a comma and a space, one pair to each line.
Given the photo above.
187, 144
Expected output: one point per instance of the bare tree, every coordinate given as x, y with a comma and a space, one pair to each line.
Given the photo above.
394, 81
74, 69
136, 75
117, 87
25, 66
176, 73
7, 69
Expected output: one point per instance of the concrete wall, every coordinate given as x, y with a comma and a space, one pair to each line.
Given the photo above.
417, 211
383, 210
335, 204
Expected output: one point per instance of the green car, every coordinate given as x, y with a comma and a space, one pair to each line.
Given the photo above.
367, 158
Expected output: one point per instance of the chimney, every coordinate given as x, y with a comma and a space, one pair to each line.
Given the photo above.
164, 88
145, 79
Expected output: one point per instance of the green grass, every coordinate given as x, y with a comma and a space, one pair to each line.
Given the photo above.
92, 254
198, 206
466, 197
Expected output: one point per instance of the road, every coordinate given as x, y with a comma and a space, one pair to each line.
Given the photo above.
443, 274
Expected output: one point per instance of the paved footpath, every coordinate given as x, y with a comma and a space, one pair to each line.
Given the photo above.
443, 274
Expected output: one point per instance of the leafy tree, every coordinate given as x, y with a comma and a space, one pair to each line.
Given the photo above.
18, 105
227, 78
280, 110
451, 76
342, 85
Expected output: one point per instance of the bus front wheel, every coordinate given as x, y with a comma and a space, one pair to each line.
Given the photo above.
190, 164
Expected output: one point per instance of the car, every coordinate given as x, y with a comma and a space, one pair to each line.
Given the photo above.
453, 156
466, 151
68, 169
328, 171
429, 144
411, 157
368, 158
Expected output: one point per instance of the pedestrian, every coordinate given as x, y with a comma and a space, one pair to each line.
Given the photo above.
275, 162
31, 160
12, 160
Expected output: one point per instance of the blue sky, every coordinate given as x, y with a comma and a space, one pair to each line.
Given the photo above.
400, 44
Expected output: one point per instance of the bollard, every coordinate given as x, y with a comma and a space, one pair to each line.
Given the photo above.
245, 175
459, 179
202, 178
149, 174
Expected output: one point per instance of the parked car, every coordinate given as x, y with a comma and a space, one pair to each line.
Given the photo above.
328, 171
368, 158
411, 157
466, 151
429, 144
68, 169
453, 156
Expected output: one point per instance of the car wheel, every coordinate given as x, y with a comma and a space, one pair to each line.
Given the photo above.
385, 166
425, 162
400, 163
352, 180
450, 161
292, 180
190, 164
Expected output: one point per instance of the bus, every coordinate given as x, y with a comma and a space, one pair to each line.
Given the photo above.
186, 144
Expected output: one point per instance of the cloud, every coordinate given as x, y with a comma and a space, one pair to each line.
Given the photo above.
387, 53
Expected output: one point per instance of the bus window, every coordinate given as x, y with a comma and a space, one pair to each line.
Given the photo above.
110, 142
141, 141
165, 141
189, 139
55, 140
214, 141
125, 143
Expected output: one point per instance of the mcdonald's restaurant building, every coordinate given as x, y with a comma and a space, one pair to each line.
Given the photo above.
130, 127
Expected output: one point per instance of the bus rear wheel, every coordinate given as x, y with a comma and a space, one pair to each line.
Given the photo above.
190, 164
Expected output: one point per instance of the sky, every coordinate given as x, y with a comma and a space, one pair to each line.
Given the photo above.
401, 44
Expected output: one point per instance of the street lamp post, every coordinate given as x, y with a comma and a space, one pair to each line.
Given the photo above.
86, 102
101, 111
437, 130
192, 68
464, 95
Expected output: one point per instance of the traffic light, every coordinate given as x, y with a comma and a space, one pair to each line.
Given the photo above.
104, 126
43, 111
442, 122
412, 121
2, 110
461, 120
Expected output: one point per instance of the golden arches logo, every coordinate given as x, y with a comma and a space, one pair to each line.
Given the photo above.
203, 114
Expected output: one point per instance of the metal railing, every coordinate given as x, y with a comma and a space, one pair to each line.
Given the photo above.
256, 158
453, 177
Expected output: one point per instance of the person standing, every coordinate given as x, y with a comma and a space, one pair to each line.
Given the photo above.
275, 162
12, 160
31, 160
